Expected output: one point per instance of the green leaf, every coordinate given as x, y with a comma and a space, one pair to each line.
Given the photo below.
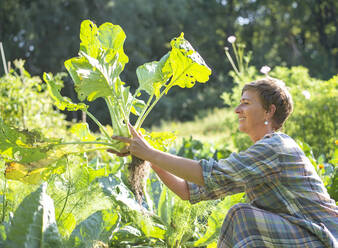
101, 60
21, 146
185, 64
66, 225
216, 219
82, 131
165, 206
148, 223
87, 75
60, 101
150, 76
128, 234
3, 235
137, 107
98, 226
34, 222
152, 229
88, 36
29, 155
114, 187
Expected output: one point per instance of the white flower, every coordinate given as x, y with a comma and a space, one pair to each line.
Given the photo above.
265, 69
231, 39
306, 94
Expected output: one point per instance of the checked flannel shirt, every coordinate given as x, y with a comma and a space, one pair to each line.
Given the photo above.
288, 203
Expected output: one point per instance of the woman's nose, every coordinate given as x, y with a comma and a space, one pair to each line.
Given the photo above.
237, 109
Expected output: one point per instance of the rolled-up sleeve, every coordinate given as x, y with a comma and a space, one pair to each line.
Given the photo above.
232, 175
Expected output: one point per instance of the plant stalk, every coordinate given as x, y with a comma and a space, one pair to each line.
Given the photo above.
84, 143
232, 62
99, 124
236, 53
134, 96
68, 193
162, 93
140, 119
3, 58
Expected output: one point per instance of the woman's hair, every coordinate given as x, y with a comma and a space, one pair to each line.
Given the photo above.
273, 91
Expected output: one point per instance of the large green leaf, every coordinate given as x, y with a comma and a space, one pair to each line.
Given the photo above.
113, 186
185, 64
32, 158
100, 62
126, 235
148, 223
98, 226
34, 223
89, 80
60, 101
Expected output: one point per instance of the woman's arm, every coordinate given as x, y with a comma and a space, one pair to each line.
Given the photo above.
187, 169
174, 183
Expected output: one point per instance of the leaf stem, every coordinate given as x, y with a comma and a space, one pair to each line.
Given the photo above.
99, 124
236, 54
110, 109
68, 193
84, 143
240, 58
162, 93
132, 100
140, 118
149, 109
232, 62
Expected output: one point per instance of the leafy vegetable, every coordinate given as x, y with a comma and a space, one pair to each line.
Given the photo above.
34, 222
98, 226
96, 74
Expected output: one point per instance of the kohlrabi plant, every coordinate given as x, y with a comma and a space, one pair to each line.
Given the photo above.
96, 74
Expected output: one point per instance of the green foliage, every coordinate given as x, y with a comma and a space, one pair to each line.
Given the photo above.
97, 226
34, 223
25, 104
195, 149
326, 168
216, 218
314, 119
286, 33
96, 73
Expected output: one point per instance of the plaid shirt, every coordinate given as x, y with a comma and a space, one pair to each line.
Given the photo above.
286, 197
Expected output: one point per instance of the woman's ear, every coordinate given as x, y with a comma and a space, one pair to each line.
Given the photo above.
272, 110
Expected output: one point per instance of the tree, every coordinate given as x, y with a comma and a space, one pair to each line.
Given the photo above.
287, 33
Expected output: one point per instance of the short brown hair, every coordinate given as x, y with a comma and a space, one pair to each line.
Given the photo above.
273, 91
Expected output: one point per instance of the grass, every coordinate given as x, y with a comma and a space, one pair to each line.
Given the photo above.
209, 126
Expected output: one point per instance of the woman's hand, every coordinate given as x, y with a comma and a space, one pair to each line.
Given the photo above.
137, 145
187, 169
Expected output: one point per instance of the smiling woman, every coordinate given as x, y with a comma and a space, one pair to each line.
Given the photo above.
265, 102
288, 203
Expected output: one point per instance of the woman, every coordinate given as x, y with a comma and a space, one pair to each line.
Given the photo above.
288, 203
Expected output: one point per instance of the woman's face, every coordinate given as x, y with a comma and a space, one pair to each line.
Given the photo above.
251, 115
